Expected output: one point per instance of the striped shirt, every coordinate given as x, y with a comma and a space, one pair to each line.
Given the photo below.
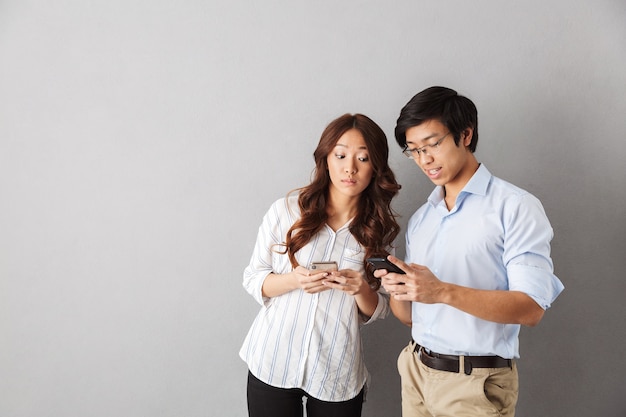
301, 340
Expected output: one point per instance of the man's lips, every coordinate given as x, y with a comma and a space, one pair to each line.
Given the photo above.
433, 173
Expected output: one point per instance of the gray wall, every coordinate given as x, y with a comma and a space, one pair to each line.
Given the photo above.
142, 141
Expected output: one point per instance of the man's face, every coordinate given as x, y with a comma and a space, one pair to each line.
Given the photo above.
445, 163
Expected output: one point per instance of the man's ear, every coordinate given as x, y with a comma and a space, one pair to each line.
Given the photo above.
466, 136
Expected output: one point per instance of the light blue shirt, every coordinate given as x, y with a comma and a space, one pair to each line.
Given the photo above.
496, 237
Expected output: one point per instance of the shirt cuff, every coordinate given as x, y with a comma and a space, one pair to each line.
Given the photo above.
382, 309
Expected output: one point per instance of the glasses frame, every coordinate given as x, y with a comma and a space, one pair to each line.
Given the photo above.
423, 150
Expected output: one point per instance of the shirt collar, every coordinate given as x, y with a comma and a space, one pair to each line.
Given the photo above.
476, 185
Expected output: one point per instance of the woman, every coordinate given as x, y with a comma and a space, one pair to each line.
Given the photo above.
305, 341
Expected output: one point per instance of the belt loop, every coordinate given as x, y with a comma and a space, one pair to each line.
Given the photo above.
467, 365
416, 346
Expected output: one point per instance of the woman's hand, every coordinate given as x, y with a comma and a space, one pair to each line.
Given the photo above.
311, 281
348, 281
353, 283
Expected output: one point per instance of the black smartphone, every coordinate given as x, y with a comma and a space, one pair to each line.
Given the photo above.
383, 263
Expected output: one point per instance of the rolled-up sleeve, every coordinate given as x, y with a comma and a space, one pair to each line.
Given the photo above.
382, 309
263, 257
527, 252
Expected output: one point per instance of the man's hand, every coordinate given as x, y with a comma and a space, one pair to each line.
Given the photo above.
419, 284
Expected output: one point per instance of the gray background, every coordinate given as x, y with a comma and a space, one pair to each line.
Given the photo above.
142, 141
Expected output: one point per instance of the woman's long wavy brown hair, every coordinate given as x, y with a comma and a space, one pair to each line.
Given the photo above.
374, 226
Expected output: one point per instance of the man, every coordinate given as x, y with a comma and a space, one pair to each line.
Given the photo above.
477, 267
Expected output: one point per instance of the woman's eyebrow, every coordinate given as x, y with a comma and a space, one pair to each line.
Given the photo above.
364, 147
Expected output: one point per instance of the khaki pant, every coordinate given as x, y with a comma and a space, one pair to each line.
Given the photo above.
429, 392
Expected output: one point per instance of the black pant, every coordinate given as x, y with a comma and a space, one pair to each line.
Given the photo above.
268, 401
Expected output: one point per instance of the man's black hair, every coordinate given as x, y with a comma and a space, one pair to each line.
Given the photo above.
455, 112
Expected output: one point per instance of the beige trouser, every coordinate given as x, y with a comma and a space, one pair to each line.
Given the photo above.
429, 392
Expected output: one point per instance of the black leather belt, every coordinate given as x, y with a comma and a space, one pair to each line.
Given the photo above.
451, 363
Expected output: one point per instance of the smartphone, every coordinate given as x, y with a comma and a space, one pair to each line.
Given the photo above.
323, 266
384, 263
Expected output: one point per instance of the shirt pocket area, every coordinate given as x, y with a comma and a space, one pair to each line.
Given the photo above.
352, 258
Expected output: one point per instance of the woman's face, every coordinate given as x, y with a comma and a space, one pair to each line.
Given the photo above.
349, 165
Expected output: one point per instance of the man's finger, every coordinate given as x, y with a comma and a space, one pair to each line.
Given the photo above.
398, 262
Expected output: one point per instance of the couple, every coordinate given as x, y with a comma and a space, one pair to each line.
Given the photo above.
477, 267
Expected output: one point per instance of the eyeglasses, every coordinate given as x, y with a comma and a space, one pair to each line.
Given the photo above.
433, 149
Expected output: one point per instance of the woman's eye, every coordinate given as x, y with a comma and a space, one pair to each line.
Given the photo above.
363, 158
339, 156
